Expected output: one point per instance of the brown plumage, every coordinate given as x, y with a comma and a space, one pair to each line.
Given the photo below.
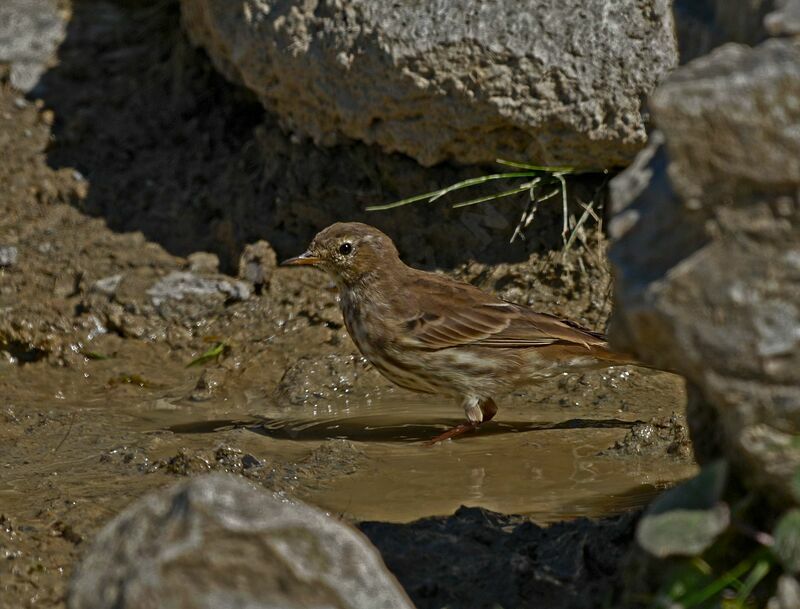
433, 334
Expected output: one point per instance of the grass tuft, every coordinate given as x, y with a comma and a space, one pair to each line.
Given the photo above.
542, 184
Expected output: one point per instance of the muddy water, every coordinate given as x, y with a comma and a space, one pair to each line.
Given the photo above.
121, 425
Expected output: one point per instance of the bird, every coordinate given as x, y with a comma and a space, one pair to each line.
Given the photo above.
434, 334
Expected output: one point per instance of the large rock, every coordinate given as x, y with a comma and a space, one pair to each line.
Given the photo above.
556, 83
707, 254
215, 541
703, 25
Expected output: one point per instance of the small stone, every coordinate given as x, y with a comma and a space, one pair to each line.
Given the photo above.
107, 285
249, 461
178, 285
203, 262
208, 384
257, 263
8, 256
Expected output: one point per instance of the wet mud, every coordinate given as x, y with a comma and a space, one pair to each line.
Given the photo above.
127, 360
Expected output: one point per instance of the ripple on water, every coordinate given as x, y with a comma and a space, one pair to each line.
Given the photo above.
541, 461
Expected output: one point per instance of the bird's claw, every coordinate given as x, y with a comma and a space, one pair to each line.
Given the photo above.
451, 433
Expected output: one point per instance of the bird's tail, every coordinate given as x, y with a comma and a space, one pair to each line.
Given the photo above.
610, 357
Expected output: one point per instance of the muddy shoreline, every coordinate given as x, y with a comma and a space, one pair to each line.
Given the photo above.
103, 308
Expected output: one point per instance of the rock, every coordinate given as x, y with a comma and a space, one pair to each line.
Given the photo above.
659, 437
203, 262
706, 253
703, 25
209, 384
786, 537
233, 459
311, 380
687, 519
30, 32
745, 99
8, 256
787, 595
178, 284
257, 263
786, 20
215, 541
470, 81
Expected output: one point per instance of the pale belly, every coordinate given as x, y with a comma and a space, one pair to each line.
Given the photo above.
452, 372
458, 371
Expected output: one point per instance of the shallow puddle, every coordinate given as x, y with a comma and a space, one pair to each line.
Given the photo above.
542, 455
80, 443
532, 461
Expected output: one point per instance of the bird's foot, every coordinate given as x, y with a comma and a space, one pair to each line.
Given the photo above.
477, 410
453, 432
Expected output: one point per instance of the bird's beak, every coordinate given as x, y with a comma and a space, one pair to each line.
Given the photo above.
306, 258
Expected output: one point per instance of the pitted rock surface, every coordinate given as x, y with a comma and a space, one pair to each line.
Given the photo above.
467, 81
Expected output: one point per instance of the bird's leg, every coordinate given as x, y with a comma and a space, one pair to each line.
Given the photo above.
488, 409
478, 410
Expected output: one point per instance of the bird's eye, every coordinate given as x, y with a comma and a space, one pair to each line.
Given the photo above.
345, 248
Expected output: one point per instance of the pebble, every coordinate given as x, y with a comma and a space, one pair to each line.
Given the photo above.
178, 284
107, 285
257, 263
8, 256
203, 262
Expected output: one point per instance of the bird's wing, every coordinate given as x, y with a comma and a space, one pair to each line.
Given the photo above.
448, 314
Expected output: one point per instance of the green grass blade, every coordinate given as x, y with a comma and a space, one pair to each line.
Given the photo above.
544, 168
499, 195
209, 355
402, 202
481, 180
718, 585
435, 194
759, 572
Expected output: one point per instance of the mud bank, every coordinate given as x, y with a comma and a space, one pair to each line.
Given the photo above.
113, 175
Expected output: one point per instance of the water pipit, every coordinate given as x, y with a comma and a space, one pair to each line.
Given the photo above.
433, 334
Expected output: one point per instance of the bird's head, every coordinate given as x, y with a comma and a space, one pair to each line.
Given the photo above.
349, 252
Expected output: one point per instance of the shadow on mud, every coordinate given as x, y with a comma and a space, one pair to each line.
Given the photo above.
379, 429
172, 149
